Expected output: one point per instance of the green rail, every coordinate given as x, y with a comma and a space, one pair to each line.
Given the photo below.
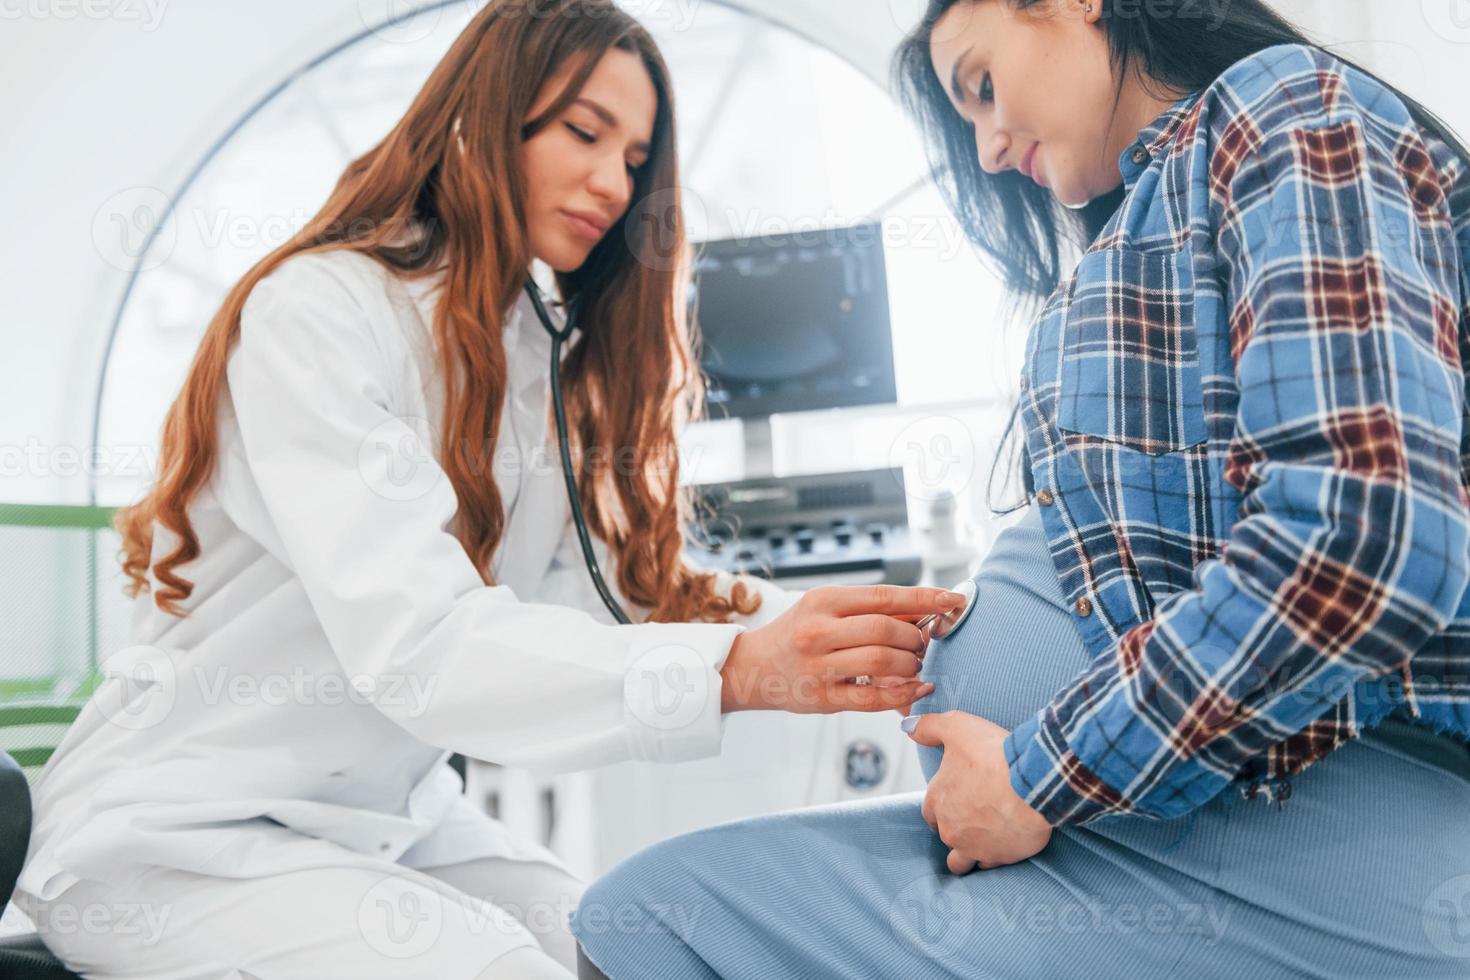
62, 517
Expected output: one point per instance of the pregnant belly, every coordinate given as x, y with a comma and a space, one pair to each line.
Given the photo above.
1017, 647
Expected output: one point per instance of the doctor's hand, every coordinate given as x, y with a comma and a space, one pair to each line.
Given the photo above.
970, 802
804, 661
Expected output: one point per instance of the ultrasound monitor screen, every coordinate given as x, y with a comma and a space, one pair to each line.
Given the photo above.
795, 322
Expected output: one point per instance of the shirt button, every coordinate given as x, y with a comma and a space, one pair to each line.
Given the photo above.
384, 846
1140, 155
1084, 607
1045, 497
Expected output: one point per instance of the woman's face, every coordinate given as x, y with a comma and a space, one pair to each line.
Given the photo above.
579, 167
1038, 86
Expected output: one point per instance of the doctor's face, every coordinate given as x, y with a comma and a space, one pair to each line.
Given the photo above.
580, 167
1036, 83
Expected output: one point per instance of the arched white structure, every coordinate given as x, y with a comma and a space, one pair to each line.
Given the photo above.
108, 97
119, 110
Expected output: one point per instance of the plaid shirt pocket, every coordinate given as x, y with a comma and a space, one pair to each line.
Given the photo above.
1130, 369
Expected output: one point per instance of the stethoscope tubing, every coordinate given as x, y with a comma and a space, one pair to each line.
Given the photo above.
938, 624
574, 497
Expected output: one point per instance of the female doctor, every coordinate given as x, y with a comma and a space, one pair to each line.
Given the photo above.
353, 542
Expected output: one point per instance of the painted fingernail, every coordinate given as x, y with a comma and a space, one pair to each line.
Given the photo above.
909, 723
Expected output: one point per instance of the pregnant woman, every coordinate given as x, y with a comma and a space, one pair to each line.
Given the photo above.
1209, 714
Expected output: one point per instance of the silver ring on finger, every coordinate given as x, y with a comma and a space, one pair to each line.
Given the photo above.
863, 680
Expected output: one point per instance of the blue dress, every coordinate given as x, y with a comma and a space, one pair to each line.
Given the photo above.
1364, 871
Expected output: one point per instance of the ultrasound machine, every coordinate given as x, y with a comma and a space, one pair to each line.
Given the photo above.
799, 322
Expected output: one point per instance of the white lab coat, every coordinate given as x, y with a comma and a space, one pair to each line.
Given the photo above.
341, 644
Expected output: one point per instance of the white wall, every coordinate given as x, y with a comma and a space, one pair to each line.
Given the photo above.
106, 97
93, 109
1420, 46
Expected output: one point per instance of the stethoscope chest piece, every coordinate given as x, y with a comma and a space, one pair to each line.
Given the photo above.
942, 624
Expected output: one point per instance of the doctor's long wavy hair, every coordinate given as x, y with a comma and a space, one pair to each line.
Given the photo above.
631, 378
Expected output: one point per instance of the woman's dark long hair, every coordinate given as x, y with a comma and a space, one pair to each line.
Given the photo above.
1019, 226
1022, 230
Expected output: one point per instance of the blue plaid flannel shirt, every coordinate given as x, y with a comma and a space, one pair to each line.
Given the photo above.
1245, 424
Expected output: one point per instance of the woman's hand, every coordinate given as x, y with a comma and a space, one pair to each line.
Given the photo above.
804, 661
970, 803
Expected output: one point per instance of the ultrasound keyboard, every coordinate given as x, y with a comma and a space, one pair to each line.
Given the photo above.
830, 524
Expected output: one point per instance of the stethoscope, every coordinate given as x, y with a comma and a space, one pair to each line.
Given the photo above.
939, 625
558, 337
942, 624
